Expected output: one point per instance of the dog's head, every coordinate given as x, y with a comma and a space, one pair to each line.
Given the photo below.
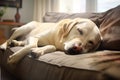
80, 36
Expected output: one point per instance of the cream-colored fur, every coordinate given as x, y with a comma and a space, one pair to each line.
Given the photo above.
73, 36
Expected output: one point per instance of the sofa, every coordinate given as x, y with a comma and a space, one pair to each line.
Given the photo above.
102, 64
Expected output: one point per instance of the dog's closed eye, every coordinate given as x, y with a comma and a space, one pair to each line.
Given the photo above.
80, 31
90, 42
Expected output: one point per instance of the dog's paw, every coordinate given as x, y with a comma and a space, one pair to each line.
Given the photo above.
14, 43
13, 60
4, 46
36, 52
34, 55
17, 43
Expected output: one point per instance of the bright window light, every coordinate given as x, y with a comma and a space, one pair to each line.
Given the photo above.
72, 6
104, 5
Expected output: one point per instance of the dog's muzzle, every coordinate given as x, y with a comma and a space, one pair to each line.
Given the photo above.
74, 50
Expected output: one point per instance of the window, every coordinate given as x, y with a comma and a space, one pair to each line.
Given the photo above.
80, 6
105, 5
72, 6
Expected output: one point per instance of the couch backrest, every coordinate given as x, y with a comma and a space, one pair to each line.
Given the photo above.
56, 16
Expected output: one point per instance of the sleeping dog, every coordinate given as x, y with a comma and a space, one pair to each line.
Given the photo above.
74, 36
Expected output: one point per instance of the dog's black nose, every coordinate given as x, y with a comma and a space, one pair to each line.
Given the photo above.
75, 50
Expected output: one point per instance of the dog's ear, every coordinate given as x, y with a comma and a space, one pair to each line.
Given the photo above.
65, 27
68, 27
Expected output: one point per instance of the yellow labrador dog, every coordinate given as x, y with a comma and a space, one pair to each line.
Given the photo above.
74, 36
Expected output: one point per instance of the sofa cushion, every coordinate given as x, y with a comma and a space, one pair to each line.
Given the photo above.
34, 69
59, 66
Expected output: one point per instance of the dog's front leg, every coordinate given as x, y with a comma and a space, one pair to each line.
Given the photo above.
17, 56
36, 52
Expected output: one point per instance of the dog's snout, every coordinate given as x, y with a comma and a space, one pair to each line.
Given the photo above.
76, 49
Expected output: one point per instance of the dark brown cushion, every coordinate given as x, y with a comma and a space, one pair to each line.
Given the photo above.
110, 29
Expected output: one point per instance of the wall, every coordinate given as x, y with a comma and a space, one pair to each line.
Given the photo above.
26, 11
